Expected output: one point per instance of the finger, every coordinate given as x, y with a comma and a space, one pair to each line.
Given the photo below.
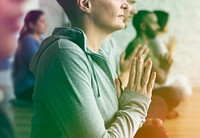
145, 53
117, 84
173, 39
121, 87
151, 83
122, 57
134, 53
132, 74
171, 62
169, 59
142, 50
146, 76
146, 62
139, 72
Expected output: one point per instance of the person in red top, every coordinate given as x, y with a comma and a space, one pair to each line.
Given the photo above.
11, 12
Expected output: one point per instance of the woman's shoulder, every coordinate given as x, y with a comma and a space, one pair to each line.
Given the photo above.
27, 38
69, 49
63, 48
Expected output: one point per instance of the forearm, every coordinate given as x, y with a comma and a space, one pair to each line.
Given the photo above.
86, 121
132, 111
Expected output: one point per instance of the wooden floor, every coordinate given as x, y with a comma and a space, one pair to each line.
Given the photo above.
188, 124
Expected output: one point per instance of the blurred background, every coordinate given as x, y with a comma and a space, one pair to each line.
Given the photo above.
184, 25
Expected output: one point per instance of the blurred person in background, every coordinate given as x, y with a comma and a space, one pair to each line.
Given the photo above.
159, 48
158, 109
162, 50
29, 42
146, 25
10, 16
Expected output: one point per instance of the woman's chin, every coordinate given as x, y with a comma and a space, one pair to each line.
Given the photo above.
113, 28
127, 20
120, 26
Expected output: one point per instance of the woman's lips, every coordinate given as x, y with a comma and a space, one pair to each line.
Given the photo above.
121, 15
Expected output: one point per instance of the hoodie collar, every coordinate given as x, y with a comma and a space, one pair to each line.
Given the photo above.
74, 34
77, 36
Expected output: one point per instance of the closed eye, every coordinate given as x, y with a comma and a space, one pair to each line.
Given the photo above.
131, 1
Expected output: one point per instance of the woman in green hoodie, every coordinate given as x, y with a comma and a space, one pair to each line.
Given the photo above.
75, 94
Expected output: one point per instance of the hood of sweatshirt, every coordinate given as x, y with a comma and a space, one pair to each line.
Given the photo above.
73, 34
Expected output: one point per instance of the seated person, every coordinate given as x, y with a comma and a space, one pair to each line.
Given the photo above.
161, 50
75, 94
10, 17
29, 42
158, 108
145, 23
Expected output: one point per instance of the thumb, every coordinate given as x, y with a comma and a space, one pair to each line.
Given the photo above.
122, 57
118, 87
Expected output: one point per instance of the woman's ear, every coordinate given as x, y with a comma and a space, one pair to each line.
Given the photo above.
84, 5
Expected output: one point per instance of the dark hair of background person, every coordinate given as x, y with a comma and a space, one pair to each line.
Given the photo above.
138, 19
163, 18
31, 17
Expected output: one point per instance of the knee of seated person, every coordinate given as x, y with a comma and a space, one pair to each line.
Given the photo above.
158, 108
151, 131
170, 95
174, 98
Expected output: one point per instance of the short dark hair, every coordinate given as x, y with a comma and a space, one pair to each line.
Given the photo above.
163, 18
138, 19
69, 7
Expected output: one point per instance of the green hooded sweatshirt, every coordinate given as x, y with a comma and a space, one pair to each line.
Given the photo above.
75, 94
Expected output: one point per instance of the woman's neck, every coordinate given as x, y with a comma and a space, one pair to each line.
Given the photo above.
95, 35
36, 37
95, 38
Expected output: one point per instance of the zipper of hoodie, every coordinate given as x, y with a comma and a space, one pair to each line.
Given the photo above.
94, 74
107, 68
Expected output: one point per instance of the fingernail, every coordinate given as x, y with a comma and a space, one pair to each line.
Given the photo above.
149, 62
116, 81
134, 59
139, 57
154, 74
